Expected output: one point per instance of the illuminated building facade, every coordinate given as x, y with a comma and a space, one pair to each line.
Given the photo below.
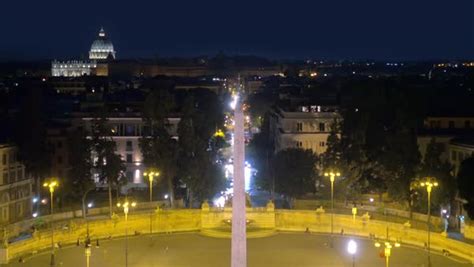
73, 68
307, 127
101, 51
15, 187
126, 131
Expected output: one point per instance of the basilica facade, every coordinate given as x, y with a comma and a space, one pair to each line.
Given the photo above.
102, 51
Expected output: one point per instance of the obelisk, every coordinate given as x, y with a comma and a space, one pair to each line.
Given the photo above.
239, 225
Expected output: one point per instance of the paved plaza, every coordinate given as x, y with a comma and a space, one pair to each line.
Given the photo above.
281, 250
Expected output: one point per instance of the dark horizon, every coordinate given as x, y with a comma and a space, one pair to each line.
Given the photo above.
395, 30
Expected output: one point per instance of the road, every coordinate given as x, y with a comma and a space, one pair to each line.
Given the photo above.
281, 250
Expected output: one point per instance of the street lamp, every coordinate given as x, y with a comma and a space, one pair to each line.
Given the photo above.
387, 249
332, 175
151, 175
352, 249
429, 183
126, 205
52, 184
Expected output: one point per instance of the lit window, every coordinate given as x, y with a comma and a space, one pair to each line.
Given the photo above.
322, 127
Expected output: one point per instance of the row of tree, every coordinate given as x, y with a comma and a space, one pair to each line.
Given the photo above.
188, 160
374, 145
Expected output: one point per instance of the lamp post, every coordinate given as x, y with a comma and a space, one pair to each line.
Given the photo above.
126, 205
352, 249
387, 249
332, 176
51, 185
429, 183
151, 175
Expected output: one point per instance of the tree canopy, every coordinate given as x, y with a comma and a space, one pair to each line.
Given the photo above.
466, 184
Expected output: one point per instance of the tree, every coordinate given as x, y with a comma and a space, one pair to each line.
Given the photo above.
295, 171
466, 184
159, 149
197, 169
379, 138
433, 166
31, 135
108, 165
260, 154
79, 179
331, 158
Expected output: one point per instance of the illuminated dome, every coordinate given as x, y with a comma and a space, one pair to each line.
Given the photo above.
102, 48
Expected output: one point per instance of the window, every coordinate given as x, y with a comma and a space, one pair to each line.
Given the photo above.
5, 214
322, 144
19, 209
129, 176
60, 160
467, 124
299, 144
432, 124
4, 159
129, 146
130, 130
299, 126
322, 127
453, 155
19, 174
6, 178
129, 158
451, 124
13, 176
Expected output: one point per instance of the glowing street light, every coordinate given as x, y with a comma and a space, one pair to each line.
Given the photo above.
352, 249
51, 185
126, 206
151, 175
332, 175
429, 183
387, 249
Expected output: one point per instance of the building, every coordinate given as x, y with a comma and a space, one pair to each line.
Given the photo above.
73, 68
460, 149
15, 187
102, 48
101, 51
126, 131
452, 132
306, 127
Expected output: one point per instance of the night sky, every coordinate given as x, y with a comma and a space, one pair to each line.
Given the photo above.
330, 29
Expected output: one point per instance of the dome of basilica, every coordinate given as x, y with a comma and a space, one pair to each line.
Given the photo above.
102, 48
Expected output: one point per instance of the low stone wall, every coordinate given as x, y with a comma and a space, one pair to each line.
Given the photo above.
16, 229
204, 219
469, 231
163, 221
262, 218
309, 204
295, 220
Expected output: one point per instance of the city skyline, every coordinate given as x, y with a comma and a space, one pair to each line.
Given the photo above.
425, 30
